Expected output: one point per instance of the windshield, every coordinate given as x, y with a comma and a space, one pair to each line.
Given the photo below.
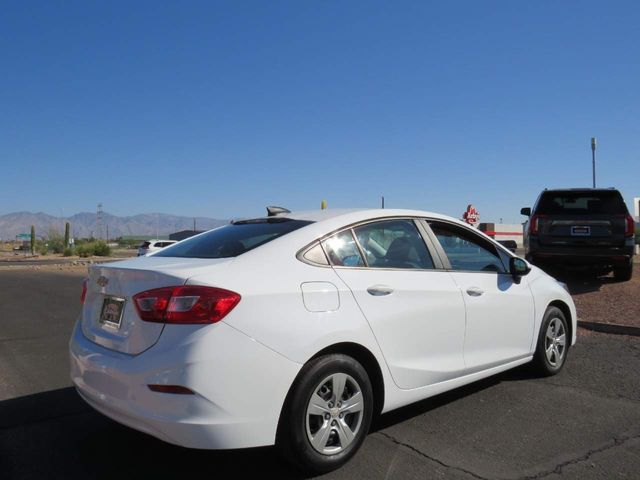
581, 203
233, 239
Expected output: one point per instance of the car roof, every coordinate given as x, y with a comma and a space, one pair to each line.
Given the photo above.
330, 219
357, 214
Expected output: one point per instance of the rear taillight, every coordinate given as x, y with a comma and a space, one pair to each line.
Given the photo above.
83, 295
630, 226
185, 304
534, 222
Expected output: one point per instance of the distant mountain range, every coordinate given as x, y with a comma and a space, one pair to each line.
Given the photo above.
85, 224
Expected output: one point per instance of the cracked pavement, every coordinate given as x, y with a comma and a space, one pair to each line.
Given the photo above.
581, 424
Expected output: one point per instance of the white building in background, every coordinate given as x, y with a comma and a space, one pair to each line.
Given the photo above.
504, 231
636, 208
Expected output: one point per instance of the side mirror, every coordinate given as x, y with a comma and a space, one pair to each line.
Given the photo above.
525, 211
518, 267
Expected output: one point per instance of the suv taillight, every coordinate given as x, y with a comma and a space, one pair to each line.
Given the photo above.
630, 226
534, 224
186, 304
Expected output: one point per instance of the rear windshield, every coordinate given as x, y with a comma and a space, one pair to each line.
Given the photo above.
581, 203
233, 239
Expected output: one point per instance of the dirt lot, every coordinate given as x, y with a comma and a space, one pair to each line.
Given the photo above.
605, 300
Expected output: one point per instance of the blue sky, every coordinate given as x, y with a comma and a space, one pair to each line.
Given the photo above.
220, 108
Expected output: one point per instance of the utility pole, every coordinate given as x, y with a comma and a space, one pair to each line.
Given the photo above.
383, 201
99, 218
593, 159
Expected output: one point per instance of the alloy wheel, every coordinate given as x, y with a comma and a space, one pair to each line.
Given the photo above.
555, 342
334, 414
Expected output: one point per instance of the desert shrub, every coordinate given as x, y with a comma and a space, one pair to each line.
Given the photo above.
98, 248
101, 249
84, 250
56, 241
68, 252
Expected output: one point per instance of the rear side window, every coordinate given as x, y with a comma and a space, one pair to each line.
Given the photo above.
233, 239
581, 203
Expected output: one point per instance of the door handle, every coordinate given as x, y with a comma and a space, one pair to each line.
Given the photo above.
474, 291
379, 290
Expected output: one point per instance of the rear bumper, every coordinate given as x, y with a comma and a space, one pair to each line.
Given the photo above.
239, 386
580, 255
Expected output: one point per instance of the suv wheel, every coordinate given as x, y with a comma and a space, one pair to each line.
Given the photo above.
624, 273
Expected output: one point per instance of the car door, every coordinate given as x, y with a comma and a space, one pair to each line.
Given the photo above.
415, 309
499, 308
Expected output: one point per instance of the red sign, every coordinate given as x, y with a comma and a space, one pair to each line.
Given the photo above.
471, 216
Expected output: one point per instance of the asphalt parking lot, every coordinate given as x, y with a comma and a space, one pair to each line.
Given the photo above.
581, 424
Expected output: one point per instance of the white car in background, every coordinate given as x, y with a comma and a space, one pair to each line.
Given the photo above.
296, 328
151, 246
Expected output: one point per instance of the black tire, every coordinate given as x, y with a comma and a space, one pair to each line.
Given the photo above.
544, 363
623, 274
295, 428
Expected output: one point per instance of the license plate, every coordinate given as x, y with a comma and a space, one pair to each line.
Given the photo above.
111, 313
580, 231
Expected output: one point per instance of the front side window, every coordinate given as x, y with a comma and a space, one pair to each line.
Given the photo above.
342, 250
466, 250
393, 244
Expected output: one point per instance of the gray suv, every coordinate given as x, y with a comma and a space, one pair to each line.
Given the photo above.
581, 227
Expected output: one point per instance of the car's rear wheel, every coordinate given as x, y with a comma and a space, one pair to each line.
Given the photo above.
623, 273
553, 343
327, 415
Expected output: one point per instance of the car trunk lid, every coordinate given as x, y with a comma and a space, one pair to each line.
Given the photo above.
109, 317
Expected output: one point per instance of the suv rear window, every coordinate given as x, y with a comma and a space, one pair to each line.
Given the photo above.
233, 239
581, 203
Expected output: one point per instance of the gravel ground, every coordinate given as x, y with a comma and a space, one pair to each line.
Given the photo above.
605, 300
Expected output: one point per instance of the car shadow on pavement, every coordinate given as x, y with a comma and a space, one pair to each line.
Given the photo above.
524, 372
55, 434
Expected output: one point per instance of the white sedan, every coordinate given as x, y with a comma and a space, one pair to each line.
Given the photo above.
296, 328
151, 246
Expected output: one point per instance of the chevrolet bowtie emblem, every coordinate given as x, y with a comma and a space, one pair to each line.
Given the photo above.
102, 281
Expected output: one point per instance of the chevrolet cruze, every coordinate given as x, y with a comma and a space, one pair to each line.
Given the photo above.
296, 328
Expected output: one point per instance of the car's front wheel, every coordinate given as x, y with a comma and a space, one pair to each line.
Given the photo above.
553, 343
327, 414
